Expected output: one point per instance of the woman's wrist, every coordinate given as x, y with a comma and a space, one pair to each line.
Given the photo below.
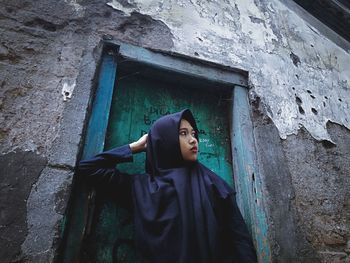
134, 147
140, 145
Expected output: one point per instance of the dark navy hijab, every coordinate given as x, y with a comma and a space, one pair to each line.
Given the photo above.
179, 215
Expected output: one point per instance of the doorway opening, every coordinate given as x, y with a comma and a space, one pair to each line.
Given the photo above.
135, 87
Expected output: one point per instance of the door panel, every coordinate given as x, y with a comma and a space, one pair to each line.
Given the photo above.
138, 101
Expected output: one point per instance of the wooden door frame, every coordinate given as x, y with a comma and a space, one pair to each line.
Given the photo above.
246, 175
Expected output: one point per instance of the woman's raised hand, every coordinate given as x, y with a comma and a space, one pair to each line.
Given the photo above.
140, 145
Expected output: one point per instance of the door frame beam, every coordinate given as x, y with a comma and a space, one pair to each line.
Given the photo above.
172, 61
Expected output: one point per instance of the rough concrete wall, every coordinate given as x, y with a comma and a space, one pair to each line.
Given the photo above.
49, 47
308, 184
40, 53
49, 52
19, 171
288, 243
320, 177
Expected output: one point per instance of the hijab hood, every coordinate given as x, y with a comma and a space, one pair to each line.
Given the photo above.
163, 147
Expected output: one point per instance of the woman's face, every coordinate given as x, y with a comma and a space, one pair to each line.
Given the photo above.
188, 141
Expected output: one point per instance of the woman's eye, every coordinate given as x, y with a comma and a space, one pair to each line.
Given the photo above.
183, 133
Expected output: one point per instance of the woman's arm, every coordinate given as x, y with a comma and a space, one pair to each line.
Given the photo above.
140, 145
100, 170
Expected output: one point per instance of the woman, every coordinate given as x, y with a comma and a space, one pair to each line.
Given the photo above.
183, 212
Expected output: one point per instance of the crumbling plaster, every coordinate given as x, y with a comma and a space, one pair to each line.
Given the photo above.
302, 77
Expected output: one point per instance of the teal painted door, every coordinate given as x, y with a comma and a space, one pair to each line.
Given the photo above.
137, 102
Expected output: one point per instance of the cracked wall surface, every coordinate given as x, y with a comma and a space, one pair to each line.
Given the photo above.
320, 176
299, 79
286, 58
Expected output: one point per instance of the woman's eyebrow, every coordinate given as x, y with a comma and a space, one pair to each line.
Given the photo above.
183, 129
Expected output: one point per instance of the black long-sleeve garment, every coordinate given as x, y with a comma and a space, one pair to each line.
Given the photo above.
182, 214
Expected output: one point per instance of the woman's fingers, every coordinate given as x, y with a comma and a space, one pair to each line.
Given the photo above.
143, 139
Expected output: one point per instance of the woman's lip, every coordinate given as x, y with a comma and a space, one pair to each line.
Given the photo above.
194, 149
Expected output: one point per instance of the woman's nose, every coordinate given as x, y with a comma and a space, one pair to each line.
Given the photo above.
192, 139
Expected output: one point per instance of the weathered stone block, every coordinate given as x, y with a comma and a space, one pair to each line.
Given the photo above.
18, 172
45, 206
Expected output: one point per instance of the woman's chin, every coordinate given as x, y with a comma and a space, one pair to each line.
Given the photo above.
191, 159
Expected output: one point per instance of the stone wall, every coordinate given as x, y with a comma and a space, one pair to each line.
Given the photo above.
321, 181
299, 78
49, 53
